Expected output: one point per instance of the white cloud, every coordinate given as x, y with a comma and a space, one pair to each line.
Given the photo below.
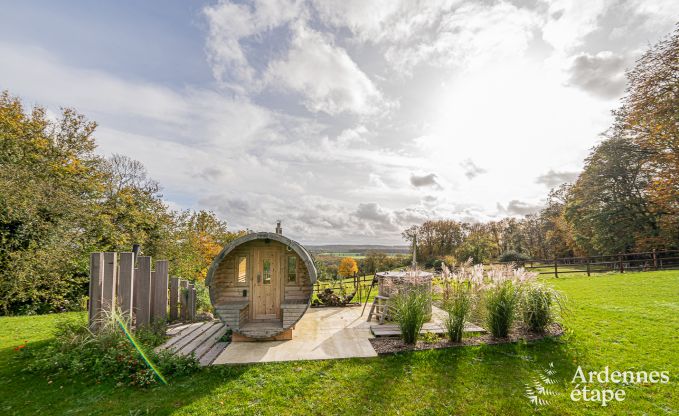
325, 75
229, 24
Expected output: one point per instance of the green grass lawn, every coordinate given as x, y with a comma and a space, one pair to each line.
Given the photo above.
626, 322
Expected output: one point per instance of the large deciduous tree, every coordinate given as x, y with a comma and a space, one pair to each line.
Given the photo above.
50, 180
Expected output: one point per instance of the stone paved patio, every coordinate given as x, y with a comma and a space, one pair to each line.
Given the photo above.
322, 333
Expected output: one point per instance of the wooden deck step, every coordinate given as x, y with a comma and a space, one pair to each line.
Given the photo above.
176, 328
213, 353
177, 335
391, 330
185, 332
210, 342
193, 335
200, 339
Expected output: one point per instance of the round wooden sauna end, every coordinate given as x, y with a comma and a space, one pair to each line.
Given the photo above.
261, 285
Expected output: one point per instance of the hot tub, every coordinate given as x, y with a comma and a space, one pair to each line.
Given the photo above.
390, 283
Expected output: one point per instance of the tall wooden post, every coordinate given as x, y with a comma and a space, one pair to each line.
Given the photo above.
142, 291
622, 267
183, 299
174, 299
192, 302
126, 284
108, 297
160, 282
588, 273
655, 260
556, 268
96, 287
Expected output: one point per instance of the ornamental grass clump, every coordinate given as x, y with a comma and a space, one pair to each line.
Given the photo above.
538, 303
502, 303
458, 304
409, 309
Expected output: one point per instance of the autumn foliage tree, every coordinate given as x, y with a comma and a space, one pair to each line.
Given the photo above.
650, 117
59, 201
347, 267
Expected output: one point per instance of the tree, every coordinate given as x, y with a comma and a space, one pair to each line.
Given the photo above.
50, 180
347, 267
650, 116
608, 209
197, 238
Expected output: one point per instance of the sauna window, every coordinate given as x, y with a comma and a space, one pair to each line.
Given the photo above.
242, 270
266, 271
292, 269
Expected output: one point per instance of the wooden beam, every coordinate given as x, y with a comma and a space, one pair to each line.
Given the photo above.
110, 277
191, 302
174, 298
96, 287
126, 284
160, 283
183, 299
142, 292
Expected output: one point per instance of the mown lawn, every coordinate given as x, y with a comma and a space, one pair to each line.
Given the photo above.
626, 322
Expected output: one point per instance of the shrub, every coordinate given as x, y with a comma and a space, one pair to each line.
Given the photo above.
502, 301
105, 355
537, 306
458, 305
512, 256
409, 309
430, 338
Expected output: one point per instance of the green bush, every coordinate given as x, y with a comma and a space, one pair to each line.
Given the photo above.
105, 355
409, 309
514, 257
502, 301
458, 306
537, 306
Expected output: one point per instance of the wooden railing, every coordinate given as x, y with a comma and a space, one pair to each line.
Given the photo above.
644, 261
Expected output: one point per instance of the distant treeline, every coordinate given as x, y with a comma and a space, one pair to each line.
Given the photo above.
59, 201
626, 199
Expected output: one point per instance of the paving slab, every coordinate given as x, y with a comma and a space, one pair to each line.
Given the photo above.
321, 334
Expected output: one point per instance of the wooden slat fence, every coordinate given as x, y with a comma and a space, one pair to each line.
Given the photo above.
142, 295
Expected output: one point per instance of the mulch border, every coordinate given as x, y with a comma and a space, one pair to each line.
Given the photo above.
394, 345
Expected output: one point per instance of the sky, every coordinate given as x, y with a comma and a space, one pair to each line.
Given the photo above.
349, 120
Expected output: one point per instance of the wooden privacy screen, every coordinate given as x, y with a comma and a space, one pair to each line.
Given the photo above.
139, 293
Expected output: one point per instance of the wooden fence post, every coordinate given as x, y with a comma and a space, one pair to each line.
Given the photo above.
192, 302
142, 291
96, 287
174, 298
556, 268
183, 299
189, 302
655, 260
160, 282
622, 267
108, 297
588, 273
126, 284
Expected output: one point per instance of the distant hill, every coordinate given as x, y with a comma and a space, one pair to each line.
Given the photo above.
357, 248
